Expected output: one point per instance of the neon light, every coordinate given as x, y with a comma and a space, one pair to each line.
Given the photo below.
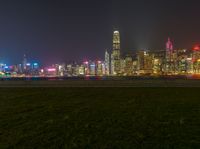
51, 69
86, 62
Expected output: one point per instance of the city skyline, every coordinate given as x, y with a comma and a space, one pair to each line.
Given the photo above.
60, 31
170, 61
122, 54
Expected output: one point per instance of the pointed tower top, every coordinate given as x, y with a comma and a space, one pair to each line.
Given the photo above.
169, 44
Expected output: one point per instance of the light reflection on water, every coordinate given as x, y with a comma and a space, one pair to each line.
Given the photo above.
96, 78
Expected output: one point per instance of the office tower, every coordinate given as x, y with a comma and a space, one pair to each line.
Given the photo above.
116, 42
135, 67
99, 68
128, 66
2, 67
169, 50
87, 68
170, 58
122, 66
159, 62
81, 70
115, 57
103, 69
35, 69
69, 70
190, 64
24, 63
145, 62
107, 63
61, 69
182, 60
76, 70
196, 59
92, 68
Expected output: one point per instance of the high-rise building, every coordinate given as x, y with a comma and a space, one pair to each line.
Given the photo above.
87, 68
169, 50
122, 66
182, 61
116, 41
196, 59
82, 70
170, 58
99, 68
145, 62
158, 62
107, 63
24, 63
115, 57
128, 69
69, 70
92, 69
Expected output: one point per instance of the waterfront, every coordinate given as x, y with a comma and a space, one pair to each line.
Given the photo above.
145, 81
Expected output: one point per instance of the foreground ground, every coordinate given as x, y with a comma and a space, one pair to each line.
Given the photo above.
99, 118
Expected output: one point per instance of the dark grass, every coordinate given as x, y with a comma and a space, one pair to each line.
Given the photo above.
100, 118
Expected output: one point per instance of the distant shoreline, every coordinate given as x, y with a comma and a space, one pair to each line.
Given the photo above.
101, 82
164, 77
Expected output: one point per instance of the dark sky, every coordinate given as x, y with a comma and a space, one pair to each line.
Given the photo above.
61, 30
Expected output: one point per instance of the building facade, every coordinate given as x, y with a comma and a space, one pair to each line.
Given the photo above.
115, 57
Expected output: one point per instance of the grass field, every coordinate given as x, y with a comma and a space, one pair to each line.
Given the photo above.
100, 118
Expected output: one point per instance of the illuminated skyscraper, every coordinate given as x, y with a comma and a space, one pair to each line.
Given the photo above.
99, 68
107, 63
24, 62
87, 68
116, 42
145, 62
169, 50
115, 57
92, 69
170, 58
196, 59
128, 69
182, 61
82, 70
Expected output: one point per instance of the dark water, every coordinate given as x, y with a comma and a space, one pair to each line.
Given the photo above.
177, 77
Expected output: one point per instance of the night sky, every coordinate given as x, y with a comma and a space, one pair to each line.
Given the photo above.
53, 31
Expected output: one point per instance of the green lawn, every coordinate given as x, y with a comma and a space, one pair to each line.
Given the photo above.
100, 118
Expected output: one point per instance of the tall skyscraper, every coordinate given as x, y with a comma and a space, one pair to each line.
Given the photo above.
107, 63
115, 57
170, 58
169, 50
24, 62
116, 42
